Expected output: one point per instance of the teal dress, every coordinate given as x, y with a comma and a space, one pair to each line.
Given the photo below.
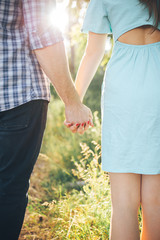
130, 99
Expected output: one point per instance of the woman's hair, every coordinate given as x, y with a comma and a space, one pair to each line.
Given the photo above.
154, 8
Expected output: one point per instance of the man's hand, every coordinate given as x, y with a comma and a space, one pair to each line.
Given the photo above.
78, 118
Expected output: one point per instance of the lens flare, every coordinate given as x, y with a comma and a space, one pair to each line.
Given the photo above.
59, 17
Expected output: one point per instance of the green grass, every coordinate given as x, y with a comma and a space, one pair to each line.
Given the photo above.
70, 211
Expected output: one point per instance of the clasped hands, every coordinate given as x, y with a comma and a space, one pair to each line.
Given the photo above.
78, 118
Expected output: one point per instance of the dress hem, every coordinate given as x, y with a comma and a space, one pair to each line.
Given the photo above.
138, 171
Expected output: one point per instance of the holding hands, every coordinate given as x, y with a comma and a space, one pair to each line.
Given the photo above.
78, 118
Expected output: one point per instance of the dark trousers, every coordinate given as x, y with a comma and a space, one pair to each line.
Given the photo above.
21, 132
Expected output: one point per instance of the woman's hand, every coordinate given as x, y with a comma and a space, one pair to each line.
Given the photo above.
78, 118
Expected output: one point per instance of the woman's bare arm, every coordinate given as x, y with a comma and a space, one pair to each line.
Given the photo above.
91, 59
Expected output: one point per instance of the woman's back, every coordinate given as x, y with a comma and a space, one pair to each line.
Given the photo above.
140, 36
127, 20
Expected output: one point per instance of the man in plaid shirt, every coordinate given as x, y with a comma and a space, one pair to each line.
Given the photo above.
29, 46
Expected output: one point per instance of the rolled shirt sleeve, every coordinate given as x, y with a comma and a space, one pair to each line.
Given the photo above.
37, 20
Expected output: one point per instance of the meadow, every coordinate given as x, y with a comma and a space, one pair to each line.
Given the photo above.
69, 196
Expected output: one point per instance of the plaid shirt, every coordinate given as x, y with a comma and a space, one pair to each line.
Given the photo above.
24, 26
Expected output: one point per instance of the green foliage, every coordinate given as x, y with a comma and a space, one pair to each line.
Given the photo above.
58, 142
61, 145
84, 214
77, 201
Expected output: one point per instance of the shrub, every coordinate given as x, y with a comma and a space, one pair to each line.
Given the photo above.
84, 214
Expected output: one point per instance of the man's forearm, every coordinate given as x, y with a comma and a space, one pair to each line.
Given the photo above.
54, 63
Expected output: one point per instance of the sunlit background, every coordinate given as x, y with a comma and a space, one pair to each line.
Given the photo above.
60, 18
59, 15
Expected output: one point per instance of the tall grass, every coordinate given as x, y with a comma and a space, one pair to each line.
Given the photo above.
84, 214
61, 145
77, 199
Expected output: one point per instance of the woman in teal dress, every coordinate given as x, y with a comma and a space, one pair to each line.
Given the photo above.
130, 109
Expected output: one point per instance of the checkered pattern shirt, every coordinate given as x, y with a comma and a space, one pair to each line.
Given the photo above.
24, 27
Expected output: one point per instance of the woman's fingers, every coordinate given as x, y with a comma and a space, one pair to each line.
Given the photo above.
81, 130
86, 127
73, 128
68, 125
83, 127
79, 127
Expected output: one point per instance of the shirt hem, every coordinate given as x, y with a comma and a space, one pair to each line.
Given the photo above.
25, 101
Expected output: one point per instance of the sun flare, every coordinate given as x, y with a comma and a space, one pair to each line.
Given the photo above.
59, 17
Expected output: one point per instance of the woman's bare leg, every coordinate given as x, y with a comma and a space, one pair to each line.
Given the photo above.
125, 196
151, 207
